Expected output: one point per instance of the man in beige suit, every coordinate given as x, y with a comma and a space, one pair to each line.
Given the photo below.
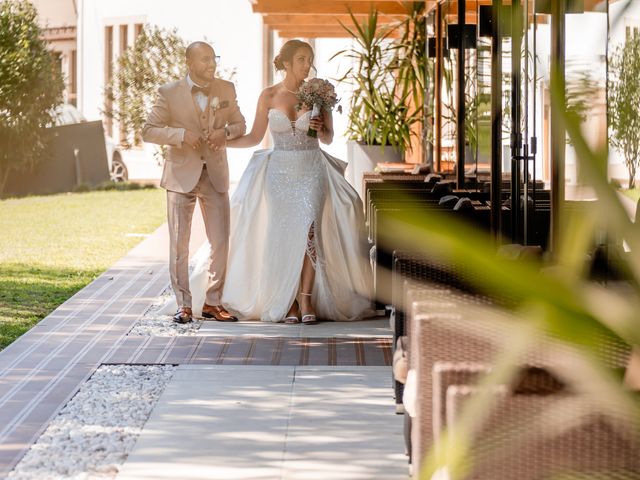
195, 117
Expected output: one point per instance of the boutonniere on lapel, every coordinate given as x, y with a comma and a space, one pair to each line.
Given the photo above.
216, 104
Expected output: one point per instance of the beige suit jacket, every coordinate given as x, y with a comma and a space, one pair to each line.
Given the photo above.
175, 110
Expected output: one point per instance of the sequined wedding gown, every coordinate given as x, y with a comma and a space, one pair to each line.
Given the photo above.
283, 194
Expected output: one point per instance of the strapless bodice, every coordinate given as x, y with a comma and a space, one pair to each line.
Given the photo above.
288, 135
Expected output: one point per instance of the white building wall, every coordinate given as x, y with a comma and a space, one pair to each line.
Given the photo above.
58, 20
331, 70
56, 13
587, 54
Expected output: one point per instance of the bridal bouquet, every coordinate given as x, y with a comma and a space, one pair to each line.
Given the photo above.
318, 95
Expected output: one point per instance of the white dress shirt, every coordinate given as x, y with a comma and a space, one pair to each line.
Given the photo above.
201, 98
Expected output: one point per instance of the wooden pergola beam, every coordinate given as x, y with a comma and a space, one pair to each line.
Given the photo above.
287, 34
279, 20
311, 30
318, 32
328, 7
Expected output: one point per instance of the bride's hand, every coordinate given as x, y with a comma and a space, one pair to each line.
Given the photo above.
317, 123
217, 139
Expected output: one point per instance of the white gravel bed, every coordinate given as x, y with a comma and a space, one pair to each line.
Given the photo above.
93, 434
156, 322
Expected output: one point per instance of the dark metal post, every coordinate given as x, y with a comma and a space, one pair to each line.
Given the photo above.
438, 88
534, 137
462, 7
525, 146
496, 121
558, 133
516, 111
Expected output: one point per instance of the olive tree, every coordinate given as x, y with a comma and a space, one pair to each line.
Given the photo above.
30, 88
624, 103
156, 57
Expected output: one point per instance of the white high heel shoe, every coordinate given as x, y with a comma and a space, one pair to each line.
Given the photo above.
308, 318
295, 318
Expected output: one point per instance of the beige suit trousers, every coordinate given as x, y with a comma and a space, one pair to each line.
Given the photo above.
215, 211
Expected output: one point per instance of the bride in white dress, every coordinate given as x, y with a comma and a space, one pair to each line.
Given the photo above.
297, 250
297, 246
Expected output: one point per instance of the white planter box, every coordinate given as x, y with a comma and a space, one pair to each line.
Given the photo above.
364, 158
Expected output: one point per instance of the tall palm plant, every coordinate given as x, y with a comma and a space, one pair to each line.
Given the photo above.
387, 82
410, 62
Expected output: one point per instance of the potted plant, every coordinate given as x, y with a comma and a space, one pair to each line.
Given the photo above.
387, 78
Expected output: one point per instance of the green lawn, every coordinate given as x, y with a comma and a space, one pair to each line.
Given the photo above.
52, 246
634, 193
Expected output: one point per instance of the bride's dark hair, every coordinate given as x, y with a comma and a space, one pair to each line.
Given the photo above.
287, 51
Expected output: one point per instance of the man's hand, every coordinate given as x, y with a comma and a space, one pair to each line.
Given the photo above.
217, 140
193, 140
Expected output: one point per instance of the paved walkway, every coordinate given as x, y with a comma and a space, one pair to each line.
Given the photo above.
325, 387
223, 422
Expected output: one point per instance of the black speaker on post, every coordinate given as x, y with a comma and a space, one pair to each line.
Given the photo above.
485, 21
470, 39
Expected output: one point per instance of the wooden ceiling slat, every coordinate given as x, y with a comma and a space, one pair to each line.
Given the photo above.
327, 7
293, 19
312, 28
288, 35
317, 34
312, 32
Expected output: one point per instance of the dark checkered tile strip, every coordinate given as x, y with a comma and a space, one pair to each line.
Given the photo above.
135, 350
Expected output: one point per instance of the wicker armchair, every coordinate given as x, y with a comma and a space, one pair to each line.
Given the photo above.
538, 429
466, 330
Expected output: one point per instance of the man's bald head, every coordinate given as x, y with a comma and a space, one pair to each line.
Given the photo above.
202, 62
196, 46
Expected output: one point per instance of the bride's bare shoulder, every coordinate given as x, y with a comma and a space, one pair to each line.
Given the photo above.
268, 94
